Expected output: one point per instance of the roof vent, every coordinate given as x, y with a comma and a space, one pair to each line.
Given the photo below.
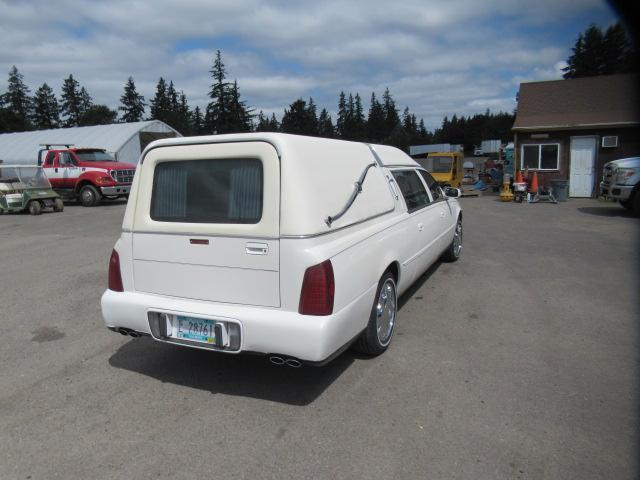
610, 141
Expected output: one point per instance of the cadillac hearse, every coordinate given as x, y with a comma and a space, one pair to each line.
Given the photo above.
287, 246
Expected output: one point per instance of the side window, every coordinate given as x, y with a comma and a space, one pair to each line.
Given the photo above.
48, 162
412, 189
432, 184
65, 159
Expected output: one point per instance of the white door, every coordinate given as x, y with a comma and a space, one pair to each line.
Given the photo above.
582, 168
206, 225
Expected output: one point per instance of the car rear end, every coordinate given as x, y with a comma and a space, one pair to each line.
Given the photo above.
198, 263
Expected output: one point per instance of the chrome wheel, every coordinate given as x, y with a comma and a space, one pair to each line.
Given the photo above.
386, 312
457, 239
87, 196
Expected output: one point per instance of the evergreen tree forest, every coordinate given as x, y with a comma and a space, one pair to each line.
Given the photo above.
596, 52
602, 53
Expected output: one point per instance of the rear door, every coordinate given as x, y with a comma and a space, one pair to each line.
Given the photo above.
52, 170
206, 223
69, 171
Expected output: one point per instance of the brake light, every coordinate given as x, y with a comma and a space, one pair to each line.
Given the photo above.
115, 278
318, 288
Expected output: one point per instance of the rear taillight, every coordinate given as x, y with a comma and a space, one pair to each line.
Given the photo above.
115, 278
318, 288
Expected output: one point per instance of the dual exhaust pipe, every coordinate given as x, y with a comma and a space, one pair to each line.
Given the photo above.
274, 359
289, 362
129, 332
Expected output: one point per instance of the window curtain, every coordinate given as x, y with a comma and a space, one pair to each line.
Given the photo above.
171, 192
245, 192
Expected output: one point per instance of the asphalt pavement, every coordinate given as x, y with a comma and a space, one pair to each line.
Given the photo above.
519, 361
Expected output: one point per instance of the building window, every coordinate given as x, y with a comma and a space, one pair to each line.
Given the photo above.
544, 156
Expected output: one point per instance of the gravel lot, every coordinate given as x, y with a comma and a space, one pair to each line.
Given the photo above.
519, 361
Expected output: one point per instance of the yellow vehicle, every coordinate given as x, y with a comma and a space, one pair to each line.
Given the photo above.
446, 167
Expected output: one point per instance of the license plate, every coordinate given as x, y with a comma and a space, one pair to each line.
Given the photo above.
196, 329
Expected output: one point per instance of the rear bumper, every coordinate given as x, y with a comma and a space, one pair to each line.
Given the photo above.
263, 330
117, 190
615, 192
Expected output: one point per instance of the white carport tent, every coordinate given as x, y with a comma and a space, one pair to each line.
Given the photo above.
127, 140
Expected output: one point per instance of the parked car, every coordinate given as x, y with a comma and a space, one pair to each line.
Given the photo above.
86, 174
621, 182
289, 246
26, 187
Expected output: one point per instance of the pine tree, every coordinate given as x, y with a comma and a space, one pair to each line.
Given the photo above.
376, 127
342, 122
97, 115
184, 116
197, 122
240, 119
312, 118
274, 125
619, 54
391, 118
325, 125
296, 118
262, 124
132, 103
595, 53
86, 102
218, 110
17, 102
160, 106
72, 104
359, 126
46, 112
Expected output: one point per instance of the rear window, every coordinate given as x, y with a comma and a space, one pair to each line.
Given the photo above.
208, 191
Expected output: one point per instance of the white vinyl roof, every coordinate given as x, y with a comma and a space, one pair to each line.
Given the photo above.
121, 138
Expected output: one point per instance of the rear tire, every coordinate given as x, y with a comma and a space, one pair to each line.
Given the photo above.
35, 208
627, 204
58, 205
90, 196
452, 253
377, 336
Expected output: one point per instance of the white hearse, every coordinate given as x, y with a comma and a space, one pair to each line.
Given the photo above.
289, 246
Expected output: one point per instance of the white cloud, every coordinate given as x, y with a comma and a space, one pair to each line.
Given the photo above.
439, 58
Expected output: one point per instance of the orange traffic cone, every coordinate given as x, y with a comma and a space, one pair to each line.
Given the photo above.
519, 177
533, 186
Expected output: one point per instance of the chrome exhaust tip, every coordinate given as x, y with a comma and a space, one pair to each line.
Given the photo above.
123, 331
274, 359
292, 362
134, 334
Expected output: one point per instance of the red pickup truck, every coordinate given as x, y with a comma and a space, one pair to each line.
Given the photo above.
86, 174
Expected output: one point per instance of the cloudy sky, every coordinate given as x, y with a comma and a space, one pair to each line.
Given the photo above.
437, 57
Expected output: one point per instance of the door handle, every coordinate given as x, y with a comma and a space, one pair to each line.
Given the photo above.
420, 227
253, 248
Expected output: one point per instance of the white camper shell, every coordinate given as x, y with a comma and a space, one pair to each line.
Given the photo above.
284, 245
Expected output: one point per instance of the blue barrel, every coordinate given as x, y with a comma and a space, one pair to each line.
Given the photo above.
560, 190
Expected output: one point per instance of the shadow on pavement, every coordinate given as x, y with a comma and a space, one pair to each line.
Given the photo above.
103, 203
613, 211
417, 284
243, 375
